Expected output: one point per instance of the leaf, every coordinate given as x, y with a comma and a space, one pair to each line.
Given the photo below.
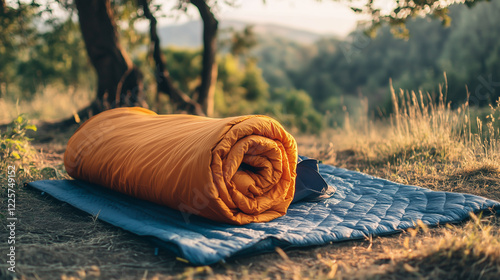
31, 126
16, 155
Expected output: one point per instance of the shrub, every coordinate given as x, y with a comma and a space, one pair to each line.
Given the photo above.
14, 142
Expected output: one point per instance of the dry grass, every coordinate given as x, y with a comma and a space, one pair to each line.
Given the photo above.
50, 104
424, 143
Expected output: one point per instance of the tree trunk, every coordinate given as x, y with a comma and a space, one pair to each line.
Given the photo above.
206, 89
119, 82
164, 82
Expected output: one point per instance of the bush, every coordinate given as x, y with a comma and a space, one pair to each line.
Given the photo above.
14, 143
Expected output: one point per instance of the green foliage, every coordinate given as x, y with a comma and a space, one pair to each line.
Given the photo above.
242, 42
279, 59
471, 55
57, 56
241, 88
295, 108
402, 11
184, 66
291, 81
37, 49
468, 51
297, 102
126, 16
229, 72
16, 35
14, 143
253, 82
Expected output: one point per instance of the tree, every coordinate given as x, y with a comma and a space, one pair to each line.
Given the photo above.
201, 101
16, 35
402, 10
467, 51
120, 82
164, 82
471, 56
209, 71
242, 42
122, 85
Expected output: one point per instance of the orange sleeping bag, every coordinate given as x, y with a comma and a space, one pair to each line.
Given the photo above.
237, 170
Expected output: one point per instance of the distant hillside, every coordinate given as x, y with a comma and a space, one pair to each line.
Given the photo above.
189, 34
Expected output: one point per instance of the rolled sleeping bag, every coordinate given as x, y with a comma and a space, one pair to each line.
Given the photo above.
236, 170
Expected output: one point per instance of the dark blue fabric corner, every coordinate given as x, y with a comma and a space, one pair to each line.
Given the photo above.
309, 184
361, 206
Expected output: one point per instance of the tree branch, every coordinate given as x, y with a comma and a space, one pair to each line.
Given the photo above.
206, 89
163, 80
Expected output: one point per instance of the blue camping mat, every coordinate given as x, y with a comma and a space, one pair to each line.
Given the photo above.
361, 206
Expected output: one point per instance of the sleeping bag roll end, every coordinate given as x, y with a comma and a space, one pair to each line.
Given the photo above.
236, 170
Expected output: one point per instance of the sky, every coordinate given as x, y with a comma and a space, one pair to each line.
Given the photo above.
325, 17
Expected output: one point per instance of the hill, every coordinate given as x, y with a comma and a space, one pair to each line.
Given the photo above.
189, 34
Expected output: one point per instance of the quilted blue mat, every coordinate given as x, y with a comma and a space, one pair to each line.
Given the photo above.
362, 205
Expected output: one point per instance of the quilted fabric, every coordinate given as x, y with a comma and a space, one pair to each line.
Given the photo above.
236, 170
361, 206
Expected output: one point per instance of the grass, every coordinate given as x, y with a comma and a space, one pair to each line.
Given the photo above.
465, 252
424, 142
50, 104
